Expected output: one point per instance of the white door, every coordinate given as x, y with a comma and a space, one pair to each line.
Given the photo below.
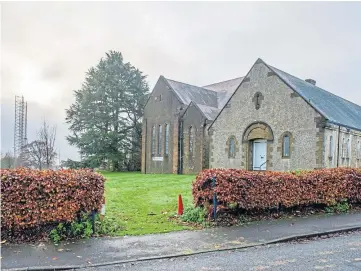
259, 154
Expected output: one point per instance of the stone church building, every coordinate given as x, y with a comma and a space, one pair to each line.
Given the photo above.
266, 120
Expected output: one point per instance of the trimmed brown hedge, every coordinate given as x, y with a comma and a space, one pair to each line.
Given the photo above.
37, 198
249, 190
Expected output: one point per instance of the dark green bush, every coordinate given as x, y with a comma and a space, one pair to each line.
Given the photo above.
195, 215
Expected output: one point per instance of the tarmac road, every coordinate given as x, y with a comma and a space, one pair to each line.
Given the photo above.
339, 253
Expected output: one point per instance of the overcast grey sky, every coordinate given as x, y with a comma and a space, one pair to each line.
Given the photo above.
46, 48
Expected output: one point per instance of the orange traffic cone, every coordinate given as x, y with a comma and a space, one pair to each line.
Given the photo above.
180, 205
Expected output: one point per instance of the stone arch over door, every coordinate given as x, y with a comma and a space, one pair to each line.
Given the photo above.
255, 131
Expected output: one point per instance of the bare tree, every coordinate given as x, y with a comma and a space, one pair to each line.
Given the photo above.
47, 135
34, 154
41, 153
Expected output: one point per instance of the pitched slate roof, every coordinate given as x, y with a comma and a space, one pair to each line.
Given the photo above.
225, 89
188, 93
228, 85
209, 112
209, 99
334, 108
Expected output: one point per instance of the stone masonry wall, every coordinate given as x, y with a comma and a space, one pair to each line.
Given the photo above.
193, 163
162, 108
263, 97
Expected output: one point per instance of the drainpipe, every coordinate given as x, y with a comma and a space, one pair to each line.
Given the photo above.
180, 144
338, 145
145, 146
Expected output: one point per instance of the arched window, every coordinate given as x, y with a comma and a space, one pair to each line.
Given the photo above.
191, 139
359, 150
348, 149
160, 140
232, 147
331, 147
166, 139
153, 140
286, 146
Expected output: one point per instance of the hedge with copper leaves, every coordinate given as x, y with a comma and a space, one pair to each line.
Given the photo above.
35, 199
250, 190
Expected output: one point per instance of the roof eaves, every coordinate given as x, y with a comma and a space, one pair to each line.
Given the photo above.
343, 125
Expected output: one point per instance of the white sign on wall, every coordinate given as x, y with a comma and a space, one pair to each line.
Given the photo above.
157, 158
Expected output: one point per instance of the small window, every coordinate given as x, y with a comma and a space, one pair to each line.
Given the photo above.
286, 146
153, 140
331, 147
160, 140
158, 98
166, 139
191, 138
232, 147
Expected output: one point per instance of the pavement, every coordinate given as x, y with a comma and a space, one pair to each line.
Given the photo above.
338, 253
120, 250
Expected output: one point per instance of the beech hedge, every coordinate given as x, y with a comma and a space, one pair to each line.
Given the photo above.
33, 199
250, 190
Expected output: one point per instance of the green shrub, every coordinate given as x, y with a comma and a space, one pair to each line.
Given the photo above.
341, 207
82, 228
107, 226
195, 215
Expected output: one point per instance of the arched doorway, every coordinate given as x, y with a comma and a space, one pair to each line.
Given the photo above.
257, 140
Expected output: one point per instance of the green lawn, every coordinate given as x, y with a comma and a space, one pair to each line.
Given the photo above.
131, 197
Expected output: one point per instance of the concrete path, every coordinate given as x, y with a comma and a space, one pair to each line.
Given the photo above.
123, 249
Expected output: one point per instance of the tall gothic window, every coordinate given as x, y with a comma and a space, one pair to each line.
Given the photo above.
153, 140
331, 147
359, 150
348, 149
160, 140
191, 140
166, 139
286, 146
343, 148
232, 147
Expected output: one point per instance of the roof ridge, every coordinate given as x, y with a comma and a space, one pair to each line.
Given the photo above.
316, 86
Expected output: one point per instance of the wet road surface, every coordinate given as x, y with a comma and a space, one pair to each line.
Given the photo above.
340, 253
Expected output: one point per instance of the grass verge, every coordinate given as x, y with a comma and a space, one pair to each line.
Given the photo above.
139, 204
